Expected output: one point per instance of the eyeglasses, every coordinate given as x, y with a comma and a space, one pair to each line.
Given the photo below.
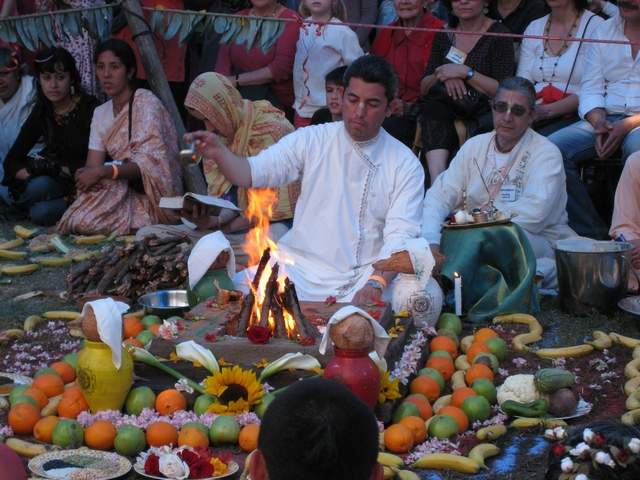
504, 107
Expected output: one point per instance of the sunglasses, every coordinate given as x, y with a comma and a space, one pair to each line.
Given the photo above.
504, 107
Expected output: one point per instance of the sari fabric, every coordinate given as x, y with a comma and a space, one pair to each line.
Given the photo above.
115, 207
246, 127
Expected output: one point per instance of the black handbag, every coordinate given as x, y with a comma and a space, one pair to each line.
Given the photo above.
472, 104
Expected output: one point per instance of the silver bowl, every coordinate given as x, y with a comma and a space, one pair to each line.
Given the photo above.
165, 303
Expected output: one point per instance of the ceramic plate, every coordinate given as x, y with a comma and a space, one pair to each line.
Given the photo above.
233, 468
16, 378
583, 408
102, 465
630, 305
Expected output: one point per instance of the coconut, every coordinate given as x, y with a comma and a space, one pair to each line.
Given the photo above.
355, 332
90, 325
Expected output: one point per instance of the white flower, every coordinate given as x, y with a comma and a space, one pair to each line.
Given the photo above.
168, 330
171, 466
588, 435
605, 459
195, 352
566, 465
549, 435
581, 476
560, 433
580, 450
288, 361
183, 386
634, 445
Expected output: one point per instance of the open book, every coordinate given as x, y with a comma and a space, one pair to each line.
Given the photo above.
176, 203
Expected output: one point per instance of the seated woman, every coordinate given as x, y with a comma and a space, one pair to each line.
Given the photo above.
461, 77
408, 52
555, 66
519, 172
247, 128
134, 130
17, 98
260, 75
516, 15
40, 184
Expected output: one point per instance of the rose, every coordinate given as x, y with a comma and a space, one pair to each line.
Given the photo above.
189, 457
201, 469
172, 467
259, 335
558, 449
151, 465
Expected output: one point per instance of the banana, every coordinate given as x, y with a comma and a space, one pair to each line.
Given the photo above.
447, 461
554, 423
61, 315
407, 475
51, 408
601, 340
89, 240
381, 445
441, 402
126, 238
631, 418
40, 248
521, 341
636, 352
633, 401
16, 242
76, 332
19, 269
631, 385
25, 449
388, 472
12, 254
481, 452
31, 322
631, 368
625, 341
457, 380
523, 319
462, 363
11, 333
81, 257
466, 342
525, 422
491, 432
23, 232
573, 351
390, 460
52, 261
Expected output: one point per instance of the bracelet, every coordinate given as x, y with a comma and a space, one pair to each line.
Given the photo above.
380, 279
237, 79
114, 175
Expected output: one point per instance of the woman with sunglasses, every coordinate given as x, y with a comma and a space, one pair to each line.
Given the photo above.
512, 168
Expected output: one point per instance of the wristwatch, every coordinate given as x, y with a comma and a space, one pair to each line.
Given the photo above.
470, 73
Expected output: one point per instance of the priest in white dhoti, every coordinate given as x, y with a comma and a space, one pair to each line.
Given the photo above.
512, 168
360, 200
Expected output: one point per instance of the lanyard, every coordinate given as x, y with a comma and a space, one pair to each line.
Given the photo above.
494, 188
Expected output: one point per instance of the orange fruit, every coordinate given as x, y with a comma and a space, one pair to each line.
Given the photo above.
192, 437
100, 435
417, 427
458, 415
134, 342
442, 342
43, 429
38, 395
484, 334
476, 371
248, 438
73, 392
70, 407
49, 383
459, 396
423, 405
425, 385
398, 438
474, 349
65, 370
23, 417
169, 401
443, 365
131, 327
161, 433
155, 328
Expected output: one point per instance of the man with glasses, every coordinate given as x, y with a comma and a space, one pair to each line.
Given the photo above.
513, 168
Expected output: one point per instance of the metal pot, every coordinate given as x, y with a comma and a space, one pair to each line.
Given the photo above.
165, 303
591, 274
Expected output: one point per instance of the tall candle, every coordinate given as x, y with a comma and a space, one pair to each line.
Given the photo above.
457, 290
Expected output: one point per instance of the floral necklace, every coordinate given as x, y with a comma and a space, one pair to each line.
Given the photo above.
565, 46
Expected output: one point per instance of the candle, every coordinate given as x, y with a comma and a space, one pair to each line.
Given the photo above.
457, 290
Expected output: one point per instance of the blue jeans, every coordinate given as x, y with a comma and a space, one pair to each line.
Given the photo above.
577, 144
44, 199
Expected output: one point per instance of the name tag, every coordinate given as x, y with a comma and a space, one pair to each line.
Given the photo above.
508, 193
456, 55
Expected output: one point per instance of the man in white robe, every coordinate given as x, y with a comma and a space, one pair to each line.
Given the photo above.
360, 198
520, 170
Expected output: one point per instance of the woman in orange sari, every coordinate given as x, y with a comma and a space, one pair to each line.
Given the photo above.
135, 131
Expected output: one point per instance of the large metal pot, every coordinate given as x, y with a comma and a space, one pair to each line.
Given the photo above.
591, 274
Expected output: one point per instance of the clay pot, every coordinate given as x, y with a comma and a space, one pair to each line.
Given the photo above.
353, 333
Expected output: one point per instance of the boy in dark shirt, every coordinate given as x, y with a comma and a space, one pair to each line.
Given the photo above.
334, 88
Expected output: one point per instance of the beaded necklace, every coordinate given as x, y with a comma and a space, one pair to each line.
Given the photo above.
563, 49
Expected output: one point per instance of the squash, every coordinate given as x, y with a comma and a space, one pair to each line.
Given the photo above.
548, 380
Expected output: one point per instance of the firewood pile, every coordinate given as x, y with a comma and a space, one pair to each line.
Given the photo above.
133, 269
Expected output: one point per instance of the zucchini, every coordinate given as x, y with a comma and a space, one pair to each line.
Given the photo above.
536, 408
548, 380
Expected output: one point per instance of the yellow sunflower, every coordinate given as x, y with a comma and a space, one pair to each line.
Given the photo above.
237, 390
389, 389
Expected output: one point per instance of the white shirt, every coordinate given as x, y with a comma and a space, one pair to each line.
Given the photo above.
358, 202
101, 122
316, 56
536, 182
533, 56
611, 77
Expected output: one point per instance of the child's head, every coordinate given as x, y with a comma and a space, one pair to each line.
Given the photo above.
321, 7
334, 88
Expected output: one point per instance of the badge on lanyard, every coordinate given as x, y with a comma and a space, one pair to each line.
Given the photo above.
457, 56
508, 193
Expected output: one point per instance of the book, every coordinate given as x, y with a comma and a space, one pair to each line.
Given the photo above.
177, 203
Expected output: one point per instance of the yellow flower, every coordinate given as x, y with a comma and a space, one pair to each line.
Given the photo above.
219, 467
389, 389
263, 362
174, 357
238, 390
223, 363
402, 314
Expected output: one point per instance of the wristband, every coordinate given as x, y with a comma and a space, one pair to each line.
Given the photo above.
114, 175
380, 279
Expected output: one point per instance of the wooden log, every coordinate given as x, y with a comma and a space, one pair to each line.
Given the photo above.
278, 316
305, 329
271, 287
244, 317
266, 255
